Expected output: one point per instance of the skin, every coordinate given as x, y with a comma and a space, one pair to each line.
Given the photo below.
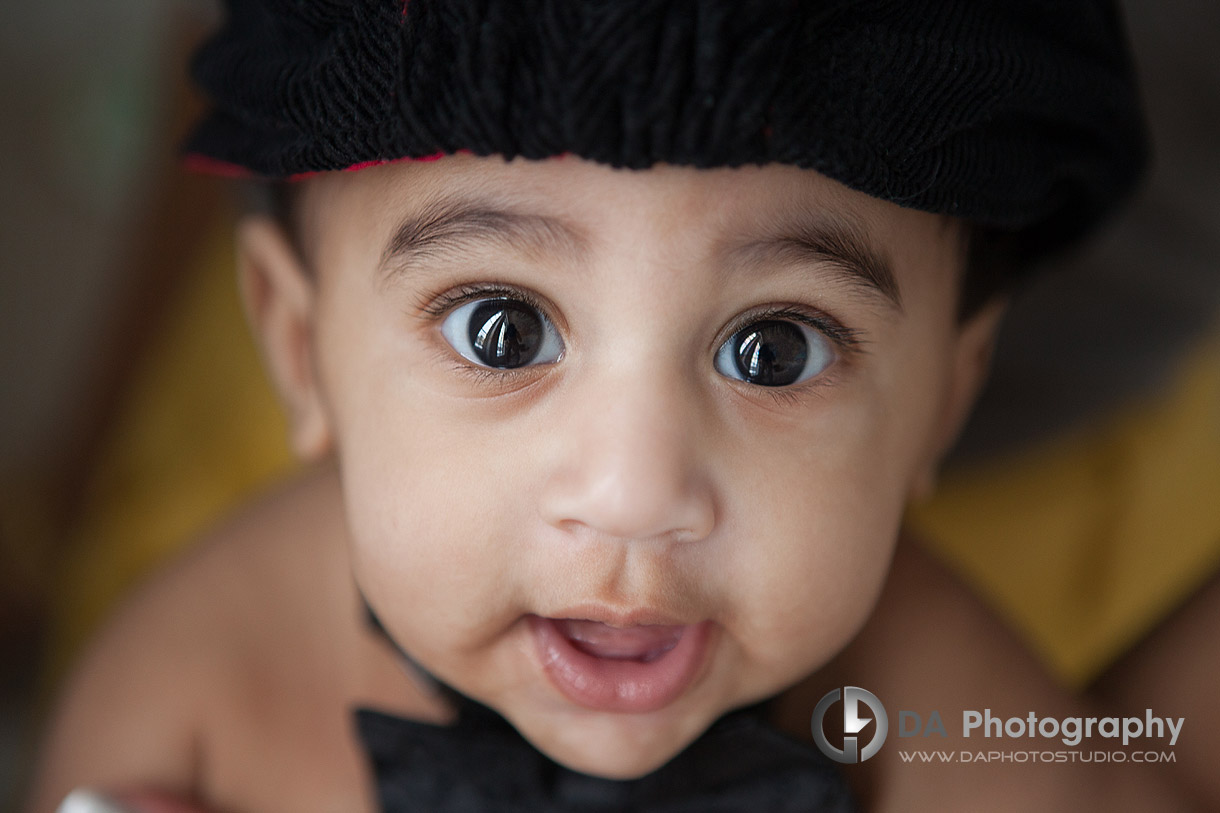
1174, 671
652, 481
630, 473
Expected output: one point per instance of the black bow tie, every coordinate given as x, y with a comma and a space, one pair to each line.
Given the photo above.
481, 764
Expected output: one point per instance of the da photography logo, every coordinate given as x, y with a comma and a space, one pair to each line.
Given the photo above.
853, 724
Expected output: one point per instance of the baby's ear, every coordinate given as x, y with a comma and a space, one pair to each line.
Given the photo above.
970, 365
280, 303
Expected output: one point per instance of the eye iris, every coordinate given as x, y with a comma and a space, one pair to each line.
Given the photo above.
771, 354
505, 333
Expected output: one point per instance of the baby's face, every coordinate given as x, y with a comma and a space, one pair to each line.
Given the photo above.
624, 450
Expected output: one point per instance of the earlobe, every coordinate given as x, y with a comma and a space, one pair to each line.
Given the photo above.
280, 304
971, 362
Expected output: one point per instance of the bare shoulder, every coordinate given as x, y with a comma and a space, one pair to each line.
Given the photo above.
932, 645
205, 659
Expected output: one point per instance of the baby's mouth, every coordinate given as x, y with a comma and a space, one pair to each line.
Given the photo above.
633, 668
643, 643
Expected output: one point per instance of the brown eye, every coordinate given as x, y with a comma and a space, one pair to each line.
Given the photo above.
502, 333
774, 353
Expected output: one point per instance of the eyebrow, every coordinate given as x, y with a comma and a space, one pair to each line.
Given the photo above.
836, 243
446, 225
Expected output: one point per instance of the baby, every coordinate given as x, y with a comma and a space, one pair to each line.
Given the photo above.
619, 358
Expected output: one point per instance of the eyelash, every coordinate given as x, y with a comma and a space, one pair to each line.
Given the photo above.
846, 340
436, 306
440, 304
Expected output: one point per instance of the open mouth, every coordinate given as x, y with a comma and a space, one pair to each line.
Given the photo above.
636, 668
643, 643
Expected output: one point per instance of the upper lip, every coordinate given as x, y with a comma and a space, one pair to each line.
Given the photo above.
620, 616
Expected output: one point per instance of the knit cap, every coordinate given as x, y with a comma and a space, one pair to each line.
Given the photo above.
1021, 116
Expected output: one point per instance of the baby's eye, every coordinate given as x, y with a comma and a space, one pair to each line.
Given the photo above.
502, 333
774, 353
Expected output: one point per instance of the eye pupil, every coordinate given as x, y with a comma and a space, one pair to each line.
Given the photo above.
771, 354
505, 333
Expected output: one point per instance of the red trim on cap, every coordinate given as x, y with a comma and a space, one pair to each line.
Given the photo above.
379, 161
205, 164
359, 165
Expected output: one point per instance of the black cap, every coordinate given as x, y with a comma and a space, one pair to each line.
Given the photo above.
1021, 115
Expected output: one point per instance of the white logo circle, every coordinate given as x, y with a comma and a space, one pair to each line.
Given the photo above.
853, 724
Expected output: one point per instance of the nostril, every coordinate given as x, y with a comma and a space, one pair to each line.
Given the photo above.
652, 505
698, 526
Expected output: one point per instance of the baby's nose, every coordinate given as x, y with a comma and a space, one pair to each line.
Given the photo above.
631, 465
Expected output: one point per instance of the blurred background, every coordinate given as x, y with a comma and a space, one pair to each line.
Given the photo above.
100, 232
92, 97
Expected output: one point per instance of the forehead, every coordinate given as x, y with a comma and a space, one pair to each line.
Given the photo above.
576, 206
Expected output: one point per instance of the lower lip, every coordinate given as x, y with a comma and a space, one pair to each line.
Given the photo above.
610, 684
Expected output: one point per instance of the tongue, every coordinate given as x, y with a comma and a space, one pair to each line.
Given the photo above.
644, 643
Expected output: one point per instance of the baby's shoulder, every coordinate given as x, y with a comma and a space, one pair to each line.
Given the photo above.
259, 590
225, 657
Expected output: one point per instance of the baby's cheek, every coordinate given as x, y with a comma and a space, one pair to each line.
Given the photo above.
807, 572
431, 534
821, 609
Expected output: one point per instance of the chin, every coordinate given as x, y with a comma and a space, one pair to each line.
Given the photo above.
616, 760
615, 745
